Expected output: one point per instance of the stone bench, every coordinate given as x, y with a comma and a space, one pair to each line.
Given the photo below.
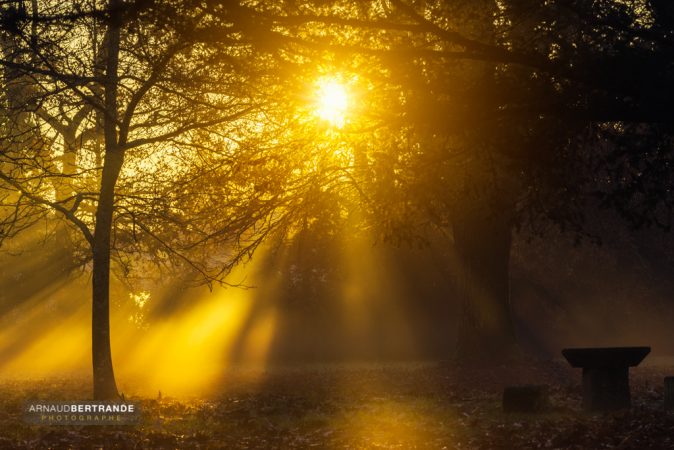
606, 385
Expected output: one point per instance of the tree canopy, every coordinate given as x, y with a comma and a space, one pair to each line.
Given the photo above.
182, 135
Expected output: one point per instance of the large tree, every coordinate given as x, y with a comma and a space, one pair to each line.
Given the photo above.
503, 112
167, 101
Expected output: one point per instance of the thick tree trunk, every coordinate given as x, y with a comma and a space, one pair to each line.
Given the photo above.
105, 386
482, 238
104, 377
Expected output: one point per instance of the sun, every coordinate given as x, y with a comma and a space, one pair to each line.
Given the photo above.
332, 101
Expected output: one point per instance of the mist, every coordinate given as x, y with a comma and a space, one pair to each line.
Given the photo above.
315, 301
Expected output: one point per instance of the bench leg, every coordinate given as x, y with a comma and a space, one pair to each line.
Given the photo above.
606, 389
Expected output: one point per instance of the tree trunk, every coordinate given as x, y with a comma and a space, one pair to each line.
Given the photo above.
104, 377
105, 386
482, 238
63, 190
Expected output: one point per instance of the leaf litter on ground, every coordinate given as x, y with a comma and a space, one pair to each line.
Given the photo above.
407, 406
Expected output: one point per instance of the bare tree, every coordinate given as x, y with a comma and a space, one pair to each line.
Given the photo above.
173, 96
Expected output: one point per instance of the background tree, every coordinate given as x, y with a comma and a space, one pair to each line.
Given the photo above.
525, 141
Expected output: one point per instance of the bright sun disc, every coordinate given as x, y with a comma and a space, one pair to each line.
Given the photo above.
331, 101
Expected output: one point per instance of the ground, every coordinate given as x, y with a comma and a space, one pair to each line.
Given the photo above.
406, 406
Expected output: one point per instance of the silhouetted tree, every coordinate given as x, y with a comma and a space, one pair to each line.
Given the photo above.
567, 91
187, 174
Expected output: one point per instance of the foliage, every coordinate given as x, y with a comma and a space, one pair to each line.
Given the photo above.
510, 97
